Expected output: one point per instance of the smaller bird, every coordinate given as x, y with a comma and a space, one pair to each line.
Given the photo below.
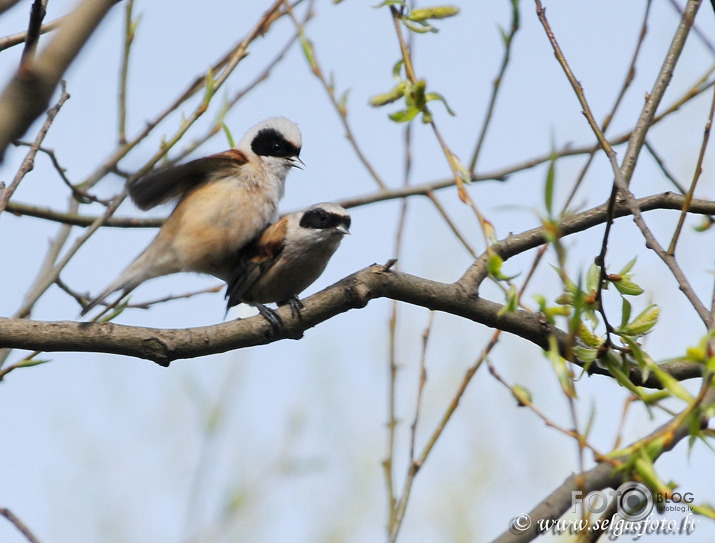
226, 201
287, 258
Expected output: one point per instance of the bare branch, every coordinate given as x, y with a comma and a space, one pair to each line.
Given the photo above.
17, 39
355, 291
24, 530
37, 15
7, 4
653, 99
29, 92
29, 160
603, 475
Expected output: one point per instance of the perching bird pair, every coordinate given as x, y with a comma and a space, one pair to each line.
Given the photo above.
225, 223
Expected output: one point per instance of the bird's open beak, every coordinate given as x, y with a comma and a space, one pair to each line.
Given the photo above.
299, 166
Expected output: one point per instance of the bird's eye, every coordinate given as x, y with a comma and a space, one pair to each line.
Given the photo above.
270, 142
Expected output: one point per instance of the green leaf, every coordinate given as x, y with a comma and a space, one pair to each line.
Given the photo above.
117, 311
32, 362
397, 68
625, 312
415, 94
626, 287
642, 324
549, 186
494, 262
437, 12
670, 383
628, 266
704, 225
209, 86
614, 368
512, 302
430, 96
504, 35
515, 16
390, 3
419, 27
587, 337
343, 102
561, 369
593, 278
405, 115
522, 395
229, 138
397, 92
307, 48
585, 354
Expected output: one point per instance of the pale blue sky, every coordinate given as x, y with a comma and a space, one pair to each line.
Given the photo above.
106, 448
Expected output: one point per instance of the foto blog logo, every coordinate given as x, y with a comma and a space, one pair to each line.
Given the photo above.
634, 501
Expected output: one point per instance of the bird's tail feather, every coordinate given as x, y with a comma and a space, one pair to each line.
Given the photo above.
154, 261
125, 282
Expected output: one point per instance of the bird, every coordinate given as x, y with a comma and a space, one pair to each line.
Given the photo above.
286, 259
225, 201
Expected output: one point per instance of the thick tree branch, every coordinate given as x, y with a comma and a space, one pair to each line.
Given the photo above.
602, 475
355, 291
517, 244
29, 92
653, 99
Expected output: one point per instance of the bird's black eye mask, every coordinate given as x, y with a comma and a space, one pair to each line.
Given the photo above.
270, 142
320, 219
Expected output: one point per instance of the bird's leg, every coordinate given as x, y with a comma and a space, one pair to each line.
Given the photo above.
295, 306
271, 316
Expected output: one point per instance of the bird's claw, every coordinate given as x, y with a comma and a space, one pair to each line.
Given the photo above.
295, 306
271, 316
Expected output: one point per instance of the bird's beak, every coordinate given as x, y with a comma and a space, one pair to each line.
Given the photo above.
340, 228
299, 166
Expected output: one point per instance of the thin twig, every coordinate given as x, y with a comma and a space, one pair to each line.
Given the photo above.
630, 74
74, 219
24, 530
603, 474
7, 4
699, 33
37, 15
459, 173
400, 507
623, 173
389, 463
337, 103
231, 61
496, 84
663, 168
653, 99
696, 178
451, 224
16, 39
29, 160
501, 175
82, 196
233, 100
39, 79
129, 31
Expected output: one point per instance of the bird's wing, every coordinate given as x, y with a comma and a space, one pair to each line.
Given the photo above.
254, 261
162, 185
